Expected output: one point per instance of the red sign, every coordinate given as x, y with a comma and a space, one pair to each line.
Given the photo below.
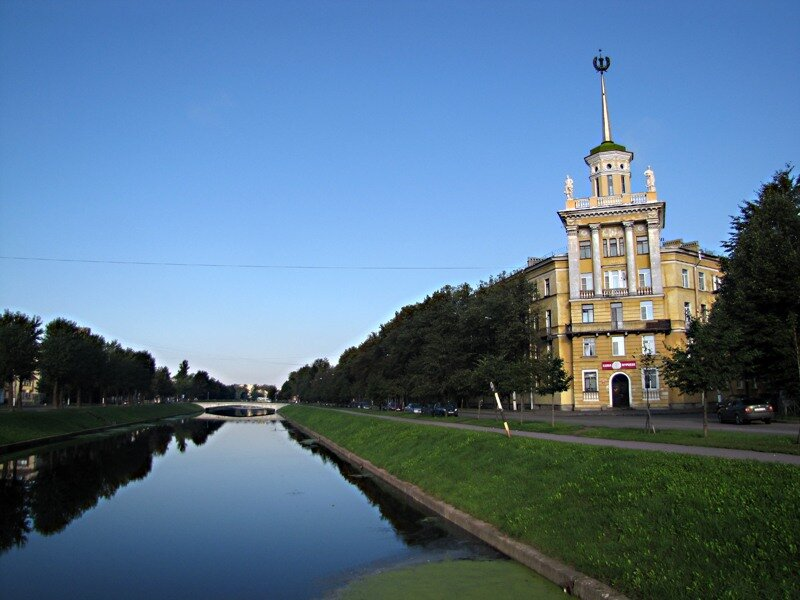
619, 364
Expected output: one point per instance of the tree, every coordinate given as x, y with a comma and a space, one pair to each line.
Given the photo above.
162, 386
58, 356
756, 318
183, 382
699, 366
549, 377
19, 347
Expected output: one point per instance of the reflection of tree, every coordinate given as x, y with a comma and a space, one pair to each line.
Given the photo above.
14, 527
68, 481
409, 523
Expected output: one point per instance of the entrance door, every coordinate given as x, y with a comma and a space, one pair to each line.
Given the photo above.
620, 391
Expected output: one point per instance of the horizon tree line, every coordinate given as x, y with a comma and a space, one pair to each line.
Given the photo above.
74, 364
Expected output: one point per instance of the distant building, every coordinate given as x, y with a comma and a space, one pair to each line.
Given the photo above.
620, 292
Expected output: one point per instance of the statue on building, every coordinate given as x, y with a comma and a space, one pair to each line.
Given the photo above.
650, 179
568, 187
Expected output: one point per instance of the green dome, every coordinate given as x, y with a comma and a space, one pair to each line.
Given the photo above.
606, 146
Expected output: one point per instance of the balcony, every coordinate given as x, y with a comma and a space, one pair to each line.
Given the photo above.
602, 327
615, 200
615, 293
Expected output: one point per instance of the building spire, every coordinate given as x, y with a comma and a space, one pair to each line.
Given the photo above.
601, 65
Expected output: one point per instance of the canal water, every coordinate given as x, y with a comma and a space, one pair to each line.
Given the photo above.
203, 509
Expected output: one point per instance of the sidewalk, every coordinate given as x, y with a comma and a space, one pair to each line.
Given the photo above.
788, 459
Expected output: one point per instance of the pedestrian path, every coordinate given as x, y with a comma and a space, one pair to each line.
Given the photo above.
788, 459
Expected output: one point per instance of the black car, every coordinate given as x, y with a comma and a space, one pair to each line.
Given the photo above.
444, 410
746, 410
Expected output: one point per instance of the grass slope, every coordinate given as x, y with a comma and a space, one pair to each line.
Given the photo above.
649, 524
27, 425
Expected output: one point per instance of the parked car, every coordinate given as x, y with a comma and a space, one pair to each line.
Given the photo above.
448, 409
451, 409
414, 409
745, 410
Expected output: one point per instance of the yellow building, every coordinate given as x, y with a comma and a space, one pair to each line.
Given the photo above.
620, 296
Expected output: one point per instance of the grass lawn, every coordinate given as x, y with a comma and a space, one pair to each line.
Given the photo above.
27, 425
687, 437
650, 524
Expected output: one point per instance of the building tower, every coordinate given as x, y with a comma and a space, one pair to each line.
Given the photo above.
619, 296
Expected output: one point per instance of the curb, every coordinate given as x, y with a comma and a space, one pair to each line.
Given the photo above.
570, 580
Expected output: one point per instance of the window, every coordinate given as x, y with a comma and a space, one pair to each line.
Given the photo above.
615, 280
648, 344
650, 378
587, 313
548, 319
642, 246
704, 313
646, 310
685, 278
587, 282
616, 315
717, 282
610, 180
687, 312
701, 281
590, 381
589, 346
597, 185
618, 345
585, 249
614, 246
644, 278
623, 184
547, 287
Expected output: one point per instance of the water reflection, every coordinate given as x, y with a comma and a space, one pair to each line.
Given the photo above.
253, 513
46, 491
414, 527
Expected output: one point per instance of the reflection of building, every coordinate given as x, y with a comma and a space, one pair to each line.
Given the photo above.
620, 293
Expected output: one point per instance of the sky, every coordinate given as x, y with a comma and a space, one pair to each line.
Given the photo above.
251, 185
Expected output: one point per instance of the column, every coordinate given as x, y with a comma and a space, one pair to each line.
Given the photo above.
597, 273
630, 258
654, 244
573, 256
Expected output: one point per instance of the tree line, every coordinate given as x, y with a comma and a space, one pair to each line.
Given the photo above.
449, 347
752, 333
74, 364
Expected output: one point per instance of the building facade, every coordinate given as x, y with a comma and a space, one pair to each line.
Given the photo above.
621, 296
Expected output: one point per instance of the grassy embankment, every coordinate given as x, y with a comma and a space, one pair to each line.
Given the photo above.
650, 524
782, 444
27, 425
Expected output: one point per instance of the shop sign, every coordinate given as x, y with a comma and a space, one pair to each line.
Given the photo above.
619, 364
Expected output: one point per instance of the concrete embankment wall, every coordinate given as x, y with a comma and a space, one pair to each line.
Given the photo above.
574, 582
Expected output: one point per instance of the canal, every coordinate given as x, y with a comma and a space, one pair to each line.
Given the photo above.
205, 509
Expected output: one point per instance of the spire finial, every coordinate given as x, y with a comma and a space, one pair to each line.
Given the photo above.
601, 65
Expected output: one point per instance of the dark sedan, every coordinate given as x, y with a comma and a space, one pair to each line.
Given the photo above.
746, 410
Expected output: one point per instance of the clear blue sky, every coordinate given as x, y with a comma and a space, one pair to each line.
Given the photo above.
381, 134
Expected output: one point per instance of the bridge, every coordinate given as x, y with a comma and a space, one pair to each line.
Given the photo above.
240, 411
